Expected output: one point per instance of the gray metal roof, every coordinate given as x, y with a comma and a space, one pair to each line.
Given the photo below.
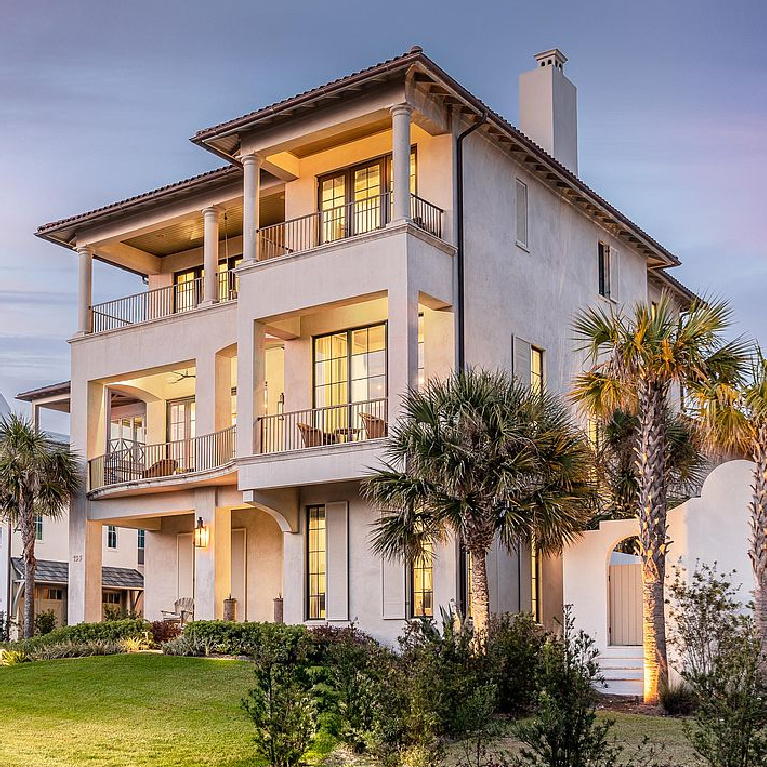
51, 571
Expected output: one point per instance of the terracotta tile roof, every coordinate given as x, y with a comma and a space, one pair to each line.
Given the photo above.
209, 176
45, 391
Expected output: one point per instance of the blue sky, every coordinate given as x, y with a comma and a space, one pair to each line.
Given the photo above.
98, 100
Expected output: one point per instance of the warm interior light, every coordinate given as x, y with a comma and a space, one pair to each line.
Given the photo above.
200, 534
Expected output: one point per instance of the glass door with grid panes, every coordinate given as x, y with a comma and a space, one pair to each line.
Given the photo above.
187, 289
350, 384
181, 433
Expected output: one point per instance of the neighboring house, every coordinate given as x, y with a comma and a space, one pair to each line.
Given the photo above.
122, 579
294, 294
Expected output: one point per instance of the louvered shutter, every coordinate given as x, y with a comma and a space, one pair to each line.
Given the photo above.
337, 565
521, 358
393, 589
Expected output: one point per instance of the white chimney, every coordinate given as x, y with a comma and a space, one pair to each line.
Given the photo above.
548, 110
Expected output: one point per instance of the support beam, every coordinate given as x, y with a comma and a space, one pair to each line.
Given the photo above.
400, 152
251, 167
210, 218
85, 286
212, 563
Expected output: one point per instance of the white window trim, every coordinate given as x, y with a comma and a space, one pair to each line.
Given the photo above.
117, 539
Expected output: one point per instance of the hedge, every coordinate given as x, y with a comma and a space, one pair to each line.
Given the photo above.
230, 638
83, 633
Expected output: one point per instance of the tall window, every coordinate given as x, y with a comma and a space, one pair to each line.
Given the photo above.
38, 527
141, 539
605, 271
422, 586
111, 537
536, 370
180, 419
522, 219
353, 201
421, 354
227, 286
349, 369
536, 606
317, 562
187, 289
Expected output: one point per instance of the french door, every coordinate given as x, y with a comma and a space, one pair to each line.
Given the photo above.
180, 415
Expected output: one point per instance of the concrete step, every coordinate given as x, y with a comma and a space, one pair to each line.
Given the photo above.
631, 651
610, 663
632, 688
622, 673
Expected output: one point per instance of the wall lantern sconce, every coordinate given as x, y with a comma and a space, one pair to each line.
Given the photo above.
200, 535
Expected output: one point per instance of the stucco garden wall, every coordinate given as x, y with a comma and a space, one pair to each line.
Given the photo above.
711, 528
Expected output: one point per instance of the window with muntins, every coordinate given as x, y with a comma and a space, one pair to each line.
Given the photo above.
522, 215
317, 562
537, 384
422, 584
536, 583
421, 354
38, 527
111, 537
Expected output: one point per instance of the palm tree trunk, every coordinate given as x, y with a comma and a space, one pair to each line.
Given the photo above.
651, 473
480, 594
758, 552
27, 523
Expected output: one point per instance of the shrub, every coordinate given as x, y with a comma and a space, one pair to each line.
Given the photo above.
45, 622
164, 631
281, 704
565, 731
12, 657
71, 649
678, 699
113, 613
187, 646
512, 648
231, 638
82, 633
134, 644
5, 628
350, 673
718, 645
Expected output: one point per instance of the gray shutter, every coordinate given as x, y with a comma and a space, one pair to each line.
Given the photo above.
393, 589
337, 565
491, 568
520, 360
615, 273
522, 212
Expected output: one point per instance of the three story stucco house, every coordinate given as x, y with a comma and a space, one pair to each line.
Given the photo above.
360, 238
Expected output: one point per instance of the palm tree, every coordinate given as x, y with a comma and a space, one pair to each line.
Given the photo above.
615, 463
481, 456
734, 418
38, 476
635, 359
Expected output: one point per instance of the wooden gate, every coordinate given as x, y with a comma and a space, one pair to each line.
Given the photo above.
625, 605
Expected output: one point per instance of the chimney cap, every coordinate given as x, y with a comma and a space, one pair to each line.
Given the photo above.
551, 58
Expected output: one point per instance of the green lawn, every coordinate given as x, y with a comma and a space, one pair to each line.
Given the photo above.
125, 710
148, 709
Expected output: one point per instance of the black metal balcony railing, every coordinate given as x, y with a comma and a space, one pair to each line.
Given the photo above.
132, 461
160, 302
333, 224
318, 427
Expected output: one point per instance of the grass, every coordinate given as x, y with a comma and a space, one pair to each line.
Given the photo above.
148, 709
142, 709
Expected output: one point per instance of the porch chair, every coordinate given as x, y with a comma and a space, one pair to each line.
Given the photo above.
314, 437
164, 468
183, 610
374, 427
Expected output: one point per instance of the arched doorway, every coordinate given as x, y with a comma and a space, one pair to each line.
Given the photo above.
625, 579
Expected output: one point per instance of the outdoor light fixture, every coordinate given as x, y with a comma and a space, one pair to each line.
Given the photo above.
200, 534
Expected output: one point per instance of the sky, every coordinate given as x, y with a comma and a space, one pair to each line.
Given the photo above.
98, 99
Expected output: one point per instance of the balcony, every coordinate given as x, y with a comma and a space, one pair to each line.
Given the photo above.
321, 427
131, 462
140, 308
333, 224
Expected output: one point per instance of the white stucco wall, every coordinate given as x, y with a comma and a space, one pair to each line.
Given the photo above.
713, 528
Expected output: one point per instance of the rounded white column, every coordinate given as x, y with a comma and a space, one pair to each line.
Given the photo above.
85, 281
251, 167
210, 219
400, 160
